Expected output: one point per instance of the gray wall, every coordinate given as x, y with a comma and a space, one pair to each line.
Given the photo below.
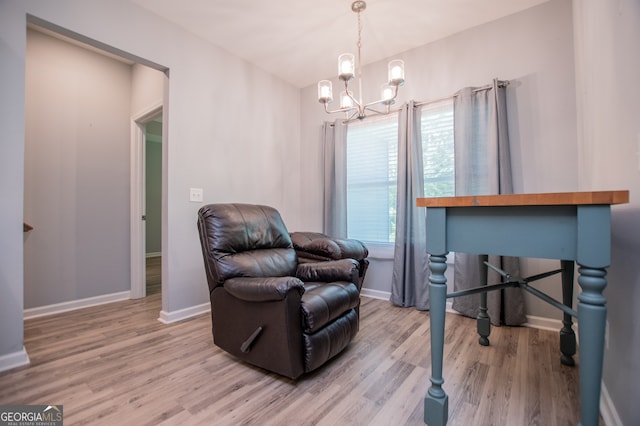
12, 54
76, 173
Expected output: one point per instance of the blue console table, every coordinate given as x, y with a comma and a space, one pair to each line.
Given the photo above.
571, 227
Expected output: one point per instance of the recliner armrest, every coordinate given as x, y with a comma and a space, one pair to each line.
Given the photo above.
263, 289
317, 245
329, 271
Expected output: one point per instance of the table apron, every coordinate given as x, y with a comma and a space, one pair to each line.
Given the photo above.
568, 232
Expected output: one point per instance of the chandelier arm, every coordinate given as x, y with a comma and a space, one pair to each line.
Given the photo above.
357, 103
379, 102
355, 114
386, 102
387, 109
328, 111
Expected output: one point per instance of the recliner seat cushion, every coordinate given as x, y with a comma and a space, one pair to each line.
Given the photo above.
324, 302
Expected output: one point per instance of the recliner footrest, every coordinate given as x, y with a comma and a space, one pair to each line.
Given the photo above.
329, 341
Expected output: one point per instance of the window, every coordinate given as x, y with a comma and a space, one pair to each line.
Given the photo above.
436, 125
372, 167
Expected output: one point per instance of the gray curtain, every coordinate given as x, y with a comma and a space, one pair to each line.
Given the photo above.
482, 167
334, 136
409, 286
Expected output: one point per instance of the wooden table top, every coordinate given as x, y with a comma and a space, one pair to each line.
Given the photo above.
543, 199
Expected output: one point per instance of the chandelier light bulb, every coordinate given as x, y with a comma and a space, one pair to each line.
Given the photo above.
325, 91
345, 100
346, 66
387, 94
396, 72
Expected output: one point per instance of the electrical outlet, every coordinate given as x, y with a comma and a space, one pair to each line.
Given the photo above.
196, 195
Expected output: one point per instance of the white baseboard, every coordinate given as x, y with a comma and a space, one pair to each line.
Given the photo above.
14, 360
71, 305
544, 323
607, 409
181, 314
153, 254
375, 294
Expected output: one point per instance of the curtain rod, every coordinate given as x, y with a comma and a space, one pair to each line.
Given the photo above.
501, 83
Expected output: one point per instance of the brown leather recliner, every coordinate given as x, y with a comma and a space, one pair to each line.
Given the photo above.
266, 308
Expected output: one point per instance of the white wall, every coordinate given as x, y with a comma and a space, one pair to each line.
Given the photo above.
534, 50
232, 130
607, 69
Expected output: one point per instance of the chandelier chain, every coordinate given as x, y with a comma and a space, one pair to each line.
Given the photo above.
359, 46
359, 43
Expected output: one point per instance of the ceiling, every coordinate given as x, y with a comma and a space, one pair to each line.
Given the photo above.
300, 40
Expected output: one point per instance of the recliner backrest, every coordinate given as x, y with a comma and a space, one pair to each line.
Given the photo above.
244, 240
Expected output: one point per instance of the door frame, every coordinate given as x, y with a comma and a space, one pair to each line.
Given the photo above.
137, 191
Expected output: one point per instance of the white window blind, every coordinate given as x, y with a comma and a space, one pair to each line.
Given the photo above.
372, 166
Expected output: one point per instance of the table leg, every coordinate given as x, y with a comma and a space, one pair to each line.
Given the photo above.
567, 335
436, 401
483, 320
592, 317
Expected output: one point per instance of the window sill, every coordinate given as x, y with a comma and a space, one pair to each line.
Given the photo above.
382, 251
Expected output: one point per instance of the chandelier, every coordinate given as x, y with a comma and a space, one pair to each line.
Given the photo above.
354, 107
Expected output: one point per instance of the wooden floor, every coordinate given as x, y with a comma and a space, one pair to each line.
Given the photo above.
153, 274
117, 365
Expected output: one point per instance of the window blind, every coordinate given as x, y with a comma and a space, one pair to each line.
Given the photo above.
372, 167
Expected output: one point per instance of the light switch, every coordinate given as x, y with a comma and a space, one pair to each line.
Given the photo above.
195, 195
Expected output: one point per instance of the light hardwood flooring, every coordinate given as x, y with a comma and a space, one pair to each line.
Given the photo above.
153, 274
116, 364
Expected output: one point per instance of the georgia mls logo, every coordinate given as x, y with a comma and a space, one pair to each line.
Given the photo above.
54, 408
31, 415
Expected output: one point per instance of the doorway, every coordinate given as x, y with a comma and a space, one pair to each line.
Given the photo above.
146, 203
